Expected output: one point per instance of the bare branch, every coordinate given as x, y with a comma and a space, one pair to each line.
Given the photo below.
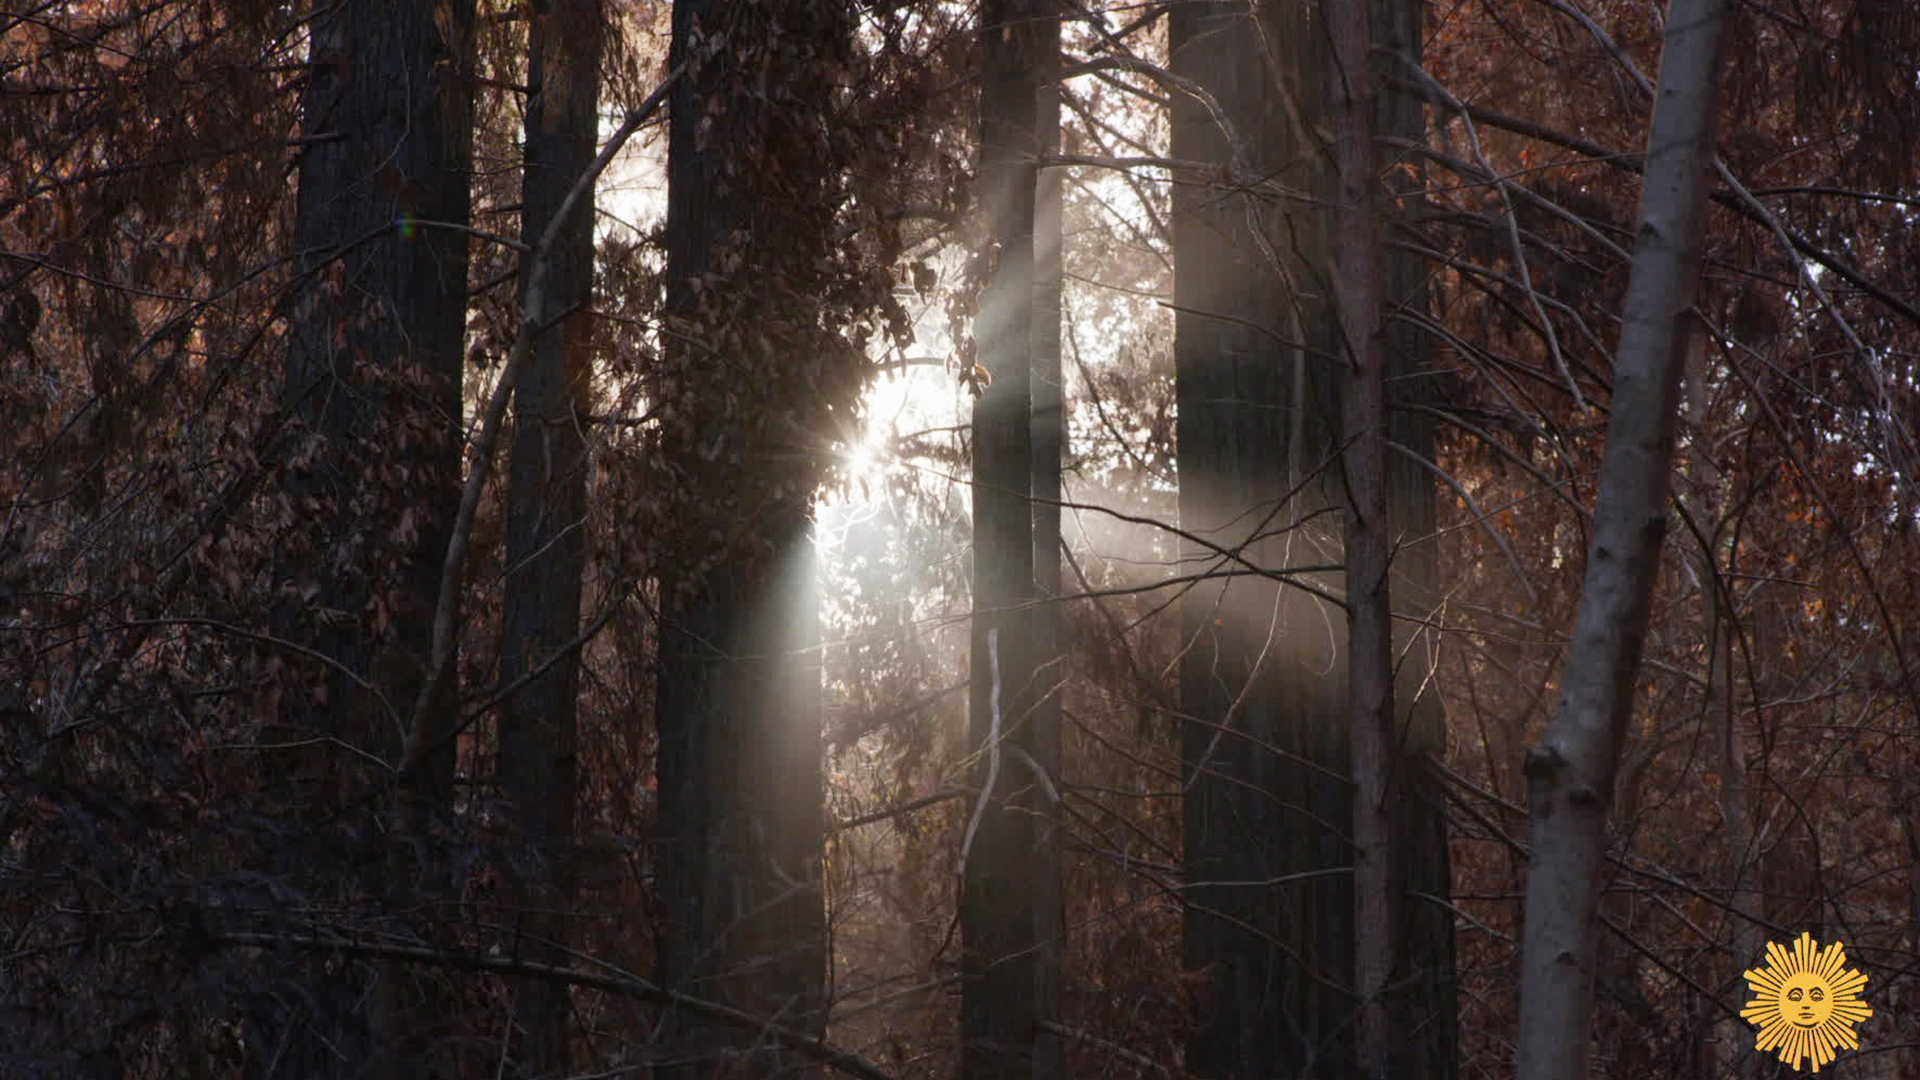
613, 981
534, 266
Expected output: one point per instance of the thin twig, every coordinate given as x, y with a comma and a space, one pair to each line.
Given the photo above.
1098, 1043
617, 982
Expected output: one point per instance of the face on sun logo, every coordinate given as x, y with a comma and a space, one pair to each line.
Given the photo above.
1804, 1004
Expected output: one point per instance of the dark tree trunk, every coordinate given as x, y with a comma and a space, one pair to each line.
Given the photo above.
1263, 681
546, 504
1424, 1008
743, 917
739, 684
1356, 291
1009, 910
374, 376
1049, 425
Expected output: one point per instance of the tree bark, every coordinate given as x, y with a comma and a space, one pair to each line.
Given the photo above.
546, 505
1403, 938
1571, 771
1268, 716
373, 374
739, 708
1009, 891
1423, 1007
1049, 422
1263, 738
1377, 882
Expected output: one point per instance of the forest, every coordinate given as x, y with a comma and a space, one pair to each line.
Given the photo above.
998, 539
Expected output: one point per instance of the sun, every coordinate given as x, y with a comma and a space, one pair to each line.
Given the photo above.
1804, 1004
864, 460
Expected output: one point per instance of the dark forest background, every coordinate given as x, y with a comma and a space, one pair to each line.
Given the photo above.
1028, 538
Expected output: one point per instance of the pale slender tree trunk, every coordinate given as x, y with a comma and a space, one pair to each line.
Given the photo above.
1571, 771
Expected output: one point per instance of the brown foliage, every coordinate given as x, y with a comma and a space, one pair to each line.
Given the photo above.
146, 807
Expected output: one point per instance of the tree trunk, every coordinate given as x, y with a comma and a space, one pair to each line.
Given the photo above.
373, 374
743, 917
1570, 772
1265, 675
1356, 285
1049, 422
1009, 902
739, 708
1422, 1006
546, 505
1261, 682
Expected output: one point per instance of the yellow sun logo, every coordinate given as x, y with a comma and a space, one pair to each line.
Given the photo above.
1804, 1004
